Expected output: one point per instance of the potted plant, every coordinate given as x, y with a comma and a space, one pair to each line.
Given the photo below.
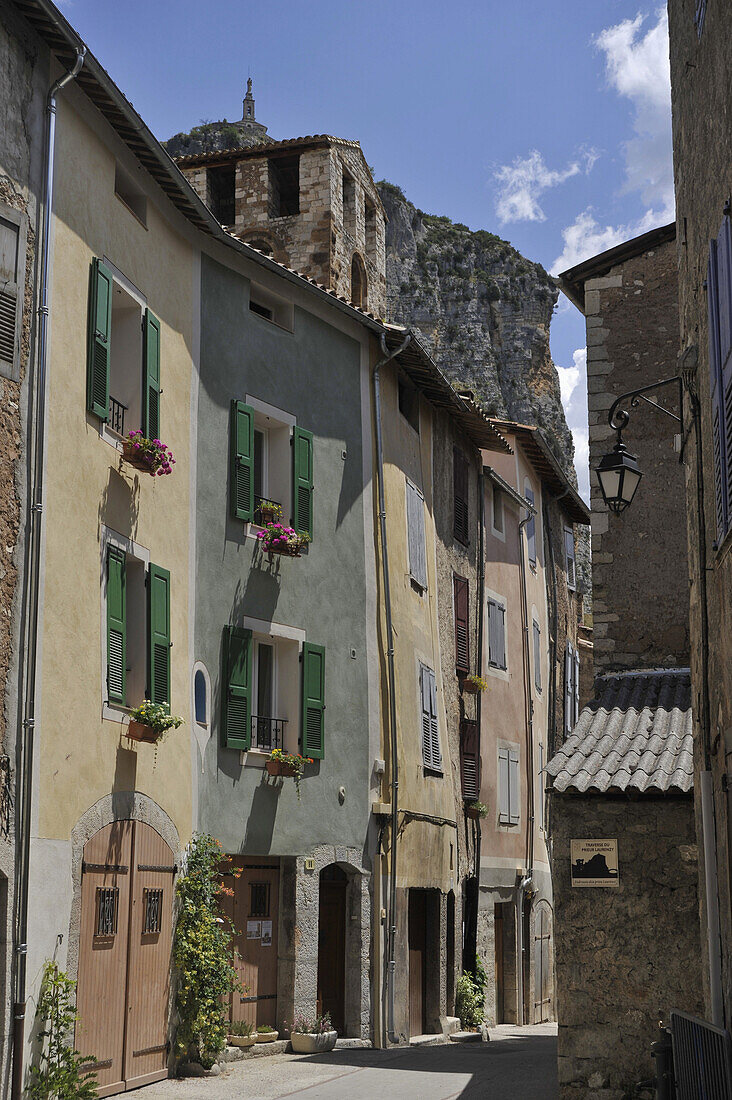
242, 1034
312, 1034
475, 809
474, 684
287, 765
150, 456
275, 538
269, 511
266, 1034
151, 721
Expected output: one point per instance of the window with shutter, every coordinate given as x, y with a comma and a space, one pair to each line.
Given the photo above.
116, 626
576, 686
313, 700
530, 527
537, 656
569, 688
302, 481
460, 496
497, 512
470, 759
416, 535
462, 633
151, 376
513, 787
715, 371
100, 340
724, 277
431, 755
237, 688
496, 634
158, 617
12, 284
241, 475
569, 557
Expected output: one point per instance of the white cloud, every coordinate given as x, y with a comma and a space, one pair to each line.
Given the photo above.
573, 385
522, 183
585, 237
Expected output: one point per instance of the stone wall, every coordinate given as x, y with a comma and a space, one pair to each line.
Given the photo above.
623, 954
569, 611
639, 570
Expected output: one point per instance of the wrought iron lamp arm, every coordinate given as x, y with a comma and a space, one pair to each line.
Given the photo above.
618, 418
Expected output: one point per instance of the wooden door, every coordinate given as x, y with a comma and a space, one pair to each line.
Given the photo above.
254, 911
150, 936
417, 939
103, 949
498, 930
124, 955
332, 946
542, 965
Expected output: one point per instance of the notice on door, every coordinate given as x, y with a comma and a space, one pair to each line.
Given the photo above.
266, 933
254, 929
594, 862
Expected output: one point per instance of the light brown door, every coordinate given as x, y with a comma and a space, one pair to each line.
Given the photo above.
417, 938
254, 911
542, 965
332, 946
124, 955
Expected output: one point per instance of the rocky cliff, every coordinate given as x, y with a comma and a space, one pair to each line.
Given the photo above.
485, 311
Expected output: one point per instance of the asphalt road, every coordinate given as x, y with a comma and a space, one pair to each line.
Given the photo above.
517, 1063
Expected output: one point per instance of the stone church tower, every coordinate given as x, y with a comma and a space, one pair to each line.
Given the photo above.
311, 203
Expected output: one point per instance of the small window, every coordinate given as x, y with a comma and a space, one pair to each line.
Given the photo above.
416, 536
569, 557
508, 786
152, 905
409, 403
131, 194
537, 656
496, 634
349, 197
107, 910
530, 526
271, 307
369, 217
200, 697
497, 518
259, 899
358, 281
12, 279
284, 186
431, 755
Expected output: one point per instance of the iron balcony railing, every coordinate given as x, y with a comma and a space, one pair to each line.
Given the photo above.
267, 733
702, 1059
117, 415
265, 507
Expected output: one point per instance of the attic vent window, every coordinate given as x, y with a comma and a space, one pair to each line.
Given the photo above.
349, 196
409, 403
131, 195
221, 190
267, 305
284, 186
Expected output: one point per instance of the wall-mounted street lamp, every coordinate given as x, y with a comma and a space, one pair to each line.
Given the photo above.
618, 472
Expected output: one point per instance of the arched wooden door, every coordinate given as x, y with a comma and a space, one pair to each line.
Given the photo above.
332, 945
543, 973
124, 955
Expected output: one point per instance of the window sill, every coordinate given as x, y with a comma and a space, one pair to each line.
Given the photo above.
723, 549
114, 713
433, 773
253, 758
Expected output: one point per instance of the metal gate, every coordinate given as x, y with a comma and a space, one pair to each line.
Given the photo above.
543, 978
253, 910
124, 955
702, 1059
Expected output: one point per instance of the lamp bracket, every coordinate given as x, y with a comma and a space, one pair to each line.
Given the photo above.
618, 418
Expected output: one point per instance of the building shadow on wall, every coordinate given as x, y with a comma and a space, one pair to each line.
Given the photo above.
261, 819
119, 507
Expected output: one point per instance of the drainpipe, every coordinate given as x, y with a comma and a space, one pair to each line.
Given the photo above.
391, 943
26, 734
528, 877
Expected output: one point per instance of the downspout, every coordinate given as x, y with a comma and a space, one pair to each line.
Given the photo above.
552, 586
391, 942
528, 877
479, 670
27, 731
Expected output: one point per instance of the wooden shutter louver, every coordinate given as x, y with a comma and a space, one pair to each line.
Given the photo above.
313, 700
470, 759
11, 293
431, 755
416, 535
237, 687
302, 481
715, 371
513, 787
496, 634
537, 656
241, 473
151, 377
460, 496
570, 558
99, 340
116, 626
158, 615
462, 633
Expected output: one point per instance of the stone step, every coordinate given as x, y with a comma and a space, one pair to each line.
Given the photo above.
428, 1040
449, 1024
466, 1037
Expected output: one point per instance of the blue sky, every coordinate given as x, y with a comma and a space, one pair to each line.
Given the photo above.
546, 123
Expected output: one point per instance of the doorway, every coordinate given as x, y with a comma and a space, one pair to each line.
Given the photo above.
543, 984
253, 909
500, 979
417, 938
124, 955
332, 945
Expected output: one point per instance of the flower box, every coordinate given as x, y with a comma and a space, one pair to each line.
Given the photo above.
286, 551
470, 687
135, 458
278, 767
310, 1042
473, 812
138, 731
267, 1036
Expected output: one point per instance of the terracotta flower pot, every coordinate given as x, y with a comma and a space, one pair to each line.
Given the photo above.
269, 514
138, 731
135, 458
472, 811
470, 688
307, 1042
278, 767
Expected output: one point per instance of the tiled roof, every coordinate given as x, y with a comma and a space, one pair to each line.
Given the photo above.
636, 736
264, 148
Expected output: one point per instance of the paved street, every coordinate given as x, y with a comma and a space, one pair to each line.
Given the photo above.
517, 1063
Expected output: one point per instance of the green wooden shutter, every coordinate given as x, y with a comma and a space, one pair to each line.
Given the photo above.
100, 340
313, 700
302, 481
241, 477
116, 626
158, 644
237, 688
151, 377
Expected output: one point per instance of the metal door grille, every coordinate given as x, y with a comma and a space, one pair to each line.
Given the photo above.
107, 910
702, 1059
153, 909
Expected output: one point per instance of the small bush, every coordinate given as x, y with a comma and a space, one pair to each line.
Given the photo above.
468, 1001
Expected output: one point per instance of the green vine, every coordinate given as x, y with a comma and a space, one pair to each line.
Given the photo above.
63, 1073
202, 952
